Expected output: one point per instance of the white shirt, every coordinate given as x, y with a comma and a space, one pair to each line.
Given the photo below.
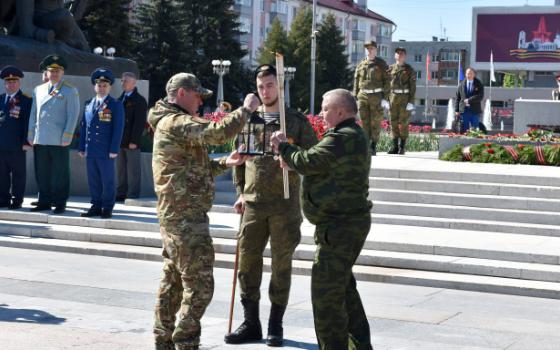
8, 97
470, 84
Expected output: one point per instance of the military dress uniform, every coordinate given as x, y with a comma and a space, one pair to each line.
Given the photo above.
556, 94
14, 120
335, 199
54, 114
101, 131
371, 87
184, 183
403, 91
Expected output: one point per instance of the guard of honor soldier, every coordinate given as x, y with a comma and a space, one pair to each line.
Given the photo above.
101, 131
371, 88
15, 107
403, 89
556, 92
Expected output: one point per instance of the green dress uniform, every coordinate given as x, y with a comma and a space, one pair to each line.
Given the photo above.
371, 86
403, 90
335, 199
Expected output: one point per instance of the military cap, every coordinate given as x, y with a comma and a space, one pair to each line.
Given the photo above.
265, 68
370, 43
400, 49
52, 62
102, 75
11, 73
187, 81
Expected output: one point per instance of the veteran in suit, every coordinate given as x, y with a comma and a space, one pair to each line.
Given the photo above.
468, 101
15, 107
101, 131
54, 115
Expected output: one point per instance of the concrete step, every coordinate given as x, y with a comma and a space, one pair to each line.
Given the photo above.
479, 188
151, 202
364, 273
468, 213
466, 200
467, 224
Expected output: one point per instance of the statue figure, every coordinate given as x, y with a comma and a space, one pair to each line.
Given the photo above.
45, 20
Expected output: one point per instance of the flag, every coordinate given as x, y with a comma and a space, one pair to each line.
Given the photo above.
492, 75
461, 74
428, 75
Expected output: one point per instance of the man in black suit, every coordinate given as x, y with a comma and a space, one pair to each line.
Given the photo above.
468, 100
556, 92
128, 161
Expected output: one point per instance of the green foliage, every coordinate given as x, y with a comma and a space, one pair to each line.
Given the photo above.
300, 43
276, 41
455, 154
106, 24
526, 154
512, 81
414, 143
491, 153
552, 154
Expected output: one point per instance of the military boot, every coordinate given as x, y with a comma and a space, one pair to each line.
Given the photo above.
165, 345
250, 330
402, 146
373, 148
395, 148
275, 330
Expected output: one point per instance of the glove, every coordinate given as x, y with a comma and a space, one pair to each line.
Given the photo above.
385, 104
409, 107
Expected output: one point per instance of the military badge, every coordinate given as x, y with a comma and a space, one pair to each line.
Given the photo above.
14, 112
105, 115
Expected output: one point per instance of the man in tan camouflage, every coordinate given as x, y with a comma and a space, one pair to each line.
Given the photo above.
184, 184
266, 214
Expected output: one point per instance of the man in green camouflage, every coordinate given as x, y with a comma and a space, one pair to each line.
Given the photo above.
335, 199
403, 90
184, 184
267, 215
371, 88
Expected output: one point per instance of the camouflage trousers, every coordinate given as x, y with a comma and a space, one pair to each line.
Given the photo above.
399, 116
259, 223
340, 319
187, 285
371, 113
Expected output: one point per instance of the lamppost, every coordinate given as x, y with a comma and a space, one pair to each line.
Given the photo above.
289, 73
110, 52
221, 68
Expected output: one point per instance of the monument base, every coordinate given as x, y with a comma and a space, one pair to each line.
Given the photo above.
535, 113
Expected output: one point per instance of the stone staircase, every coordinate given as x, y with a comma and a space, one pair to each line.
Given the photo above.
490, 228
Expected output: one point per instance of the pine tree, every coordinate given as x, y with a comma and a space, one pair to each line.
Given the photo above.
332, 61
300, 48
106, 24
276, 41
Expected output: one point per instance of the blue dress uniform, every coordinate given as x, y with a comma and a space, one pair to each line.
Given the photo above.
101, 131
14, 119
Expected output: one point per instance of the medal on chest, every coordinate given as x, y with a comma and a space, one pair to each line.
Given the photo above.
104, 113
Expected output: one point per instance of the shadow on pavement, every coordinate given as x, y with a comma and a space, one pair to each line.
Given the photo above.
28, 316
300, 345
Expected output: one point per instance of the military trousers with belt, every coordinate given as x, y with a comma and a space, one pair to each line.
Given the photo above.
187, 285
371, 114
400, 117
260, 223
340, 319
52, 173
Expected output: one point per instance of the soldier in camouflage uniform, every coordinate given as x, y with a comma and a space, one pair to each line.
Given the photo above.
266, 214
184, 184
371, 87
335, 199
403, 90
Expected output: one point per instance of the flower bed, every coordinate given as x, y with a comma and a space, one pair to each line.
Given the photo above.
488, 152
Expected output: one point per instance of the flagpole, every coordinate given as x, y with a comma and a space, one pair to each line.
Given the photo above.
426, 100
459, 70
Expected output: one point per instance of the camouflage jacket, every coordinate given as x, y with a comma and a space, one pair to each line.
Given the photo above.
183, 172
403, 78
372, 75
336, 173
260, 178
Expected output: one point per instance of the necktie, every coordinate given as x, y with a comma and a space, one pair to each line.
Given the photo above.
51, 89
470, 87
8, 99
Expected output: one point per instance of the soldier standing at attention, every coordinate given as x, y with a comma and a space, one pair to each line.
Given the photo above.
267, 215
15, 107
100, 137
371, 88
403, 90
184, 184
54, 115
335, 199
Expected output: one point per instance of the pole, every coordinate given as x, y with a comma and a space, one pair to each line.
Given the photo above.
426, 99
313, 59
287, 92
234, 285
220, 95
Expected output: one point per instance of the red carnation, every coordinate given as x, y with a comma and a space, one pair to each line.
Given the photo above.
490, 150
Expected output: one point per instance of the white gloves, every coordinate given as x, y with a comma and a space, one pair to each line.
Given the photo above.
385, 104
409, 107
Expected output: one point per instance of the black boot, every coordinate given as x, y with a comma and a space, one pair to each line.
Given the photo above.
373, 148
402, 146
250, 330
395, 148
275, 330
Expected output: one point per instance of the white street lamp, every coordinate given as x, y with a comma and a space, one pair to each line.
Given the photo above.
289, 73
221, 68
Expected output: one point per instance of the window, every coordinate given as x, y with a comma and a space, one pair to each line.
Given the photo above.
384, 31
434, 75
449, 74
279, 7
383, 51
244, 24
373, 31
243, 2
449, 56
418, 58
434, 57
419, 74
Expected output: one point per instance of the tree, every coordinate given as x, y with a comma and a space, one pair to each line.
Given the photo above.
106, 24
332, 61
512, 80
276, 41
300, 48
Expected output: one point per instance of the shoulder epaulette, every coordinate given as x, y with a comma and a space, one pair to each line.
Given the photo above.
68, 84
26, 95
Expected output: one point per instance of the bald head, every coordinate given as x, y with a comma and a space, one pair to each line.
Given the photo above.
338, 105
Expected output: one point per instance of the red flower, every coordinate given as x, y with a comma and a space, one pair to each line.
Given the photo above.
521, 146
488, 144
490, 150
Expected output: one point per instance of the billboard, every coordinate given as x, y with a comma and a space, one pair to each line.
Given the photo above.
520, 38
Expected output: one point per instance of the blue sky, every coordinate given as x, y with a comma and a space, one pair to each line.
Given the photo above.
419, 20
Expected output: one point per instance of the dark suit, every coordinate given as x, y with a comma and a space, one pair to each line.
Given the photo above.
556, 94
100, 134
475, 95
14, 121
128, 162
